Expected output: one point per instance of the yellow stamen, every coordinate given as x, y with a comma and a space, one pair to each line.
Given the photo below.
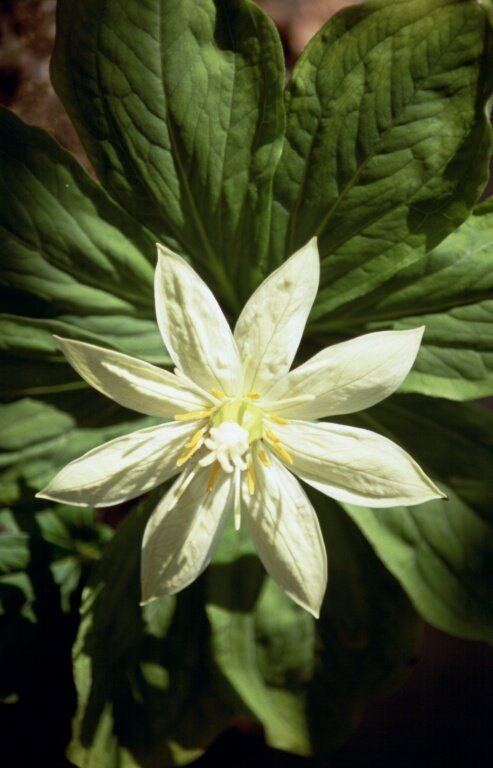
264, 458
213, 477
282, 452
253, 395
193, 415
191, 449
250, 479
275, 442
272, 436
277, 419
196, 437
217, 393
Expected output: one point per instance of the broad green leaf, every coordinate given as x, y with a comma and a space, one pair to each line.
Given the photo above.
23, 659
68, 242
262, 643
452, 441
142, 675
74, 538
442, 554
33, 364
179, 106
387, 139
44, 557
450, 291
72, 263
76, 541
17, 611
16, 594
151, 694
308, 681
37, 437
369, 633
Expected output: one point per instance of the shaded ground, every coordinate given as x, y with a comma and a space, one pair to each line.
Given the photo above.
27, 32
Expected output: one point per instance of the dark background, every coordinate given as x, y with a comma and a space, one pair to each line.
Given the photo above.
442, 715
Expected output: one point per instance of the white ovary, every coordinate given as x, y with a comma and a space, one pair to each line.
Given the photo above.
227, 444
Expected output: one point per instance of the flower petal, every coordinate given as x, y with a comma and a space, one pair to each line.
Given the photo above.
286, 534
194, 329
122, 468
183, 533
355, 465
131, 382
271, 324
350, 376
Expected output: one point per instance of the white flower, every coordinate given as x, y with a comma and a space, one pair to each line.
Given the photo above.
243, 426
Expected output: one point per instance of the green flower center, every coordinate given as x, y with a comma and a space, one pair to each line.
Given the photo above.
241, 412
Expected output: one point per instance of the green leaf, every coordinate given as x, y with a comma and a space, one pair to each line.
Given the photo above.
44, 558
308, 681
442, 554
75, 540
450, 291
38, 437
141, 674
452, 441
16, 593
73, 263
152, 692
34, 365
179, 107
263, 644
370, 634
387, 140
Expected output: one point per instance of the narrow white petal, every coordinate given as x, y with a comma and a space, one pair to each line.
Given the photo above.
350, 376
122, 468
183, 533
271, 324
286, 534
355, 465
194, 329
131, 382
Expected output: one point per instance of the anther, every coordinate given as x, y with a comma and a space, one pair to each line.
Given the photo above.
282, 452
196, 437
251, 478
191, 449
277, 419
213, 477
272, 436
264, 458
193, 415
275, 442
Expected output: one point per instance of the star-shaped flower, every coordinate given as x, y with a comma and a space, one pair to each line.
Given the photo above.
242, 426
